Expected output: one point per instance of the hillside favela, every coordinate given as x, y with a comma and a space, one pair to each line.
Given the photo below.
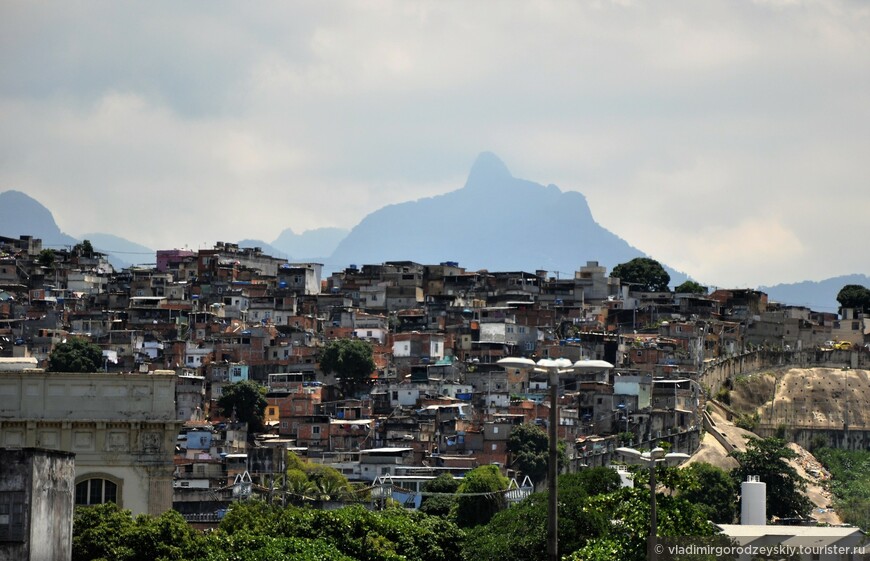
226, 403
229, 403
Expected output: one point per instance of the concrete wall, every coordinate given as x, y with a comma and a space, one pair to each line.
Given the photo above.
715, 374
807, 437
44, 481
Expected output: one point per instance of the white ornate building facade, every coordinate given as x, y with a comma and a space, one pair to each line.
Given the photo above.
122, 429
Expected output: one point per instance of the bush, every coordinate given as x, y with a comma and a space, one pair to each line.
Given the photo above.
748, 421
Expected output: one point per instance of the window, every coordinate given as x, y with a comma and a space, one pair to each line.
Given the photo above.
315, 430
96, 491
12, 514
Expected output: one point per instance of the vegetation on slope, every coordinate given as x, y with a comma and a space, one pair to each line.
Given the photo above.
850, 483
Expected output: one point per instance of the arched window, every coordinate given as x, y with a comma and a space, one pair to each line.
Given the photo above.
98, 489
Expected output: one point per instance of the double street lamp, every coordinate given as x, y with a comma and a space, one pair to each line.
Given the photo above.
553, 368
651, 458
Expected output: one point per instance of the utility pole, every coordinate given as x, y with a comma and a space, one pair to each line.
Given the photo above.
553, 471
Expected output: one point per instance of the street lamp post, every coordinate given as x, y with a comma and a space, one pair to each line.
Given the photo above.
553, 368
650, 459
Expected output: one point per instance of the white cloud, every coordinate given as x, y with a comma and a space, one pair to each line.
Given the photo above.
689, 126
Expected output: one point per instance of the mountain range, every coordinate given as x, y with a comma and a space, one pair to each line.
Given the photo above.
495, 222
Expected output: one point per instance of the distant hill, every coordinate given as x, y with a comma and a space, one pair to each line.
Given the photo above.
495, 222
21, 215
818, 295
122, 253
311, 245
268, 249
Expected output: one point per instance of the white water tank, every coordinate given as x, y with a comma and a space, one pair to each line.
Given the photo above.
753, 501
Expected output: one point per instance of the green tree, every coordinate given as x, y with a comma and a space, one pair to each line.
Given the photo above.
46, 258
713, 490
480, 496
353, 531
768, 459
84, 249
106, 532
76, 355
691, 287
646, 274
307, 481
99, 532
529, 448
261, 547
850, 483
519, 533
592, 481
627, 539
350, 360
247, 400
440, 504
854, 296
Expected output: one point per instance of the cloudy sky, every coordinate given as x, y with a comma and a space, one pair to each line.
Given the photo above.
730, 140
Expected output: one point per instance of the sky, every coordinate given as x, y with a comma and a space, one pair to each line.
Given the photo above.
729, 140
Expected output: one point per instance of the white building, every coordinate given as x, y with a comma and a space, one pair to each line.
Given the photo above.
121, 427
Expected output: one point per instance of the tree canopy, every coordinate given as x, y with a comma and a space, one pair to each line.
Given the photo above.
691, 287
247, 400
439, 505
480, 496
108, 532
854, 296
519, 533
529, 448
85, 249
349, 533
646, 274
627, 540
850, 483
260, 532
590, 504
767, 458
46, 258
76, 355
307, 481
350, 359
712, 489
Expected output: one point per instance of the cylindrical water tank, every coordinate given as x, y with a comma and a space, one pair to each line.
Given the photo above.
753, 501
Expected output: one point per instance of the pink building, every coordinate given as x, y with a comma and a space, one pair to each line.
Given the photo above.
168, 257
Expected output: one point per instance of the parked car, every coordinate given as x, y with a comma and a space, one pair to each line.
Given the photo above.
843, 345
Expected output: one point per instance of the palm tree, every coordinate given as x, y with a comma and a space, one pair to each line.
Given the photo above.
300, 490
330, 490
